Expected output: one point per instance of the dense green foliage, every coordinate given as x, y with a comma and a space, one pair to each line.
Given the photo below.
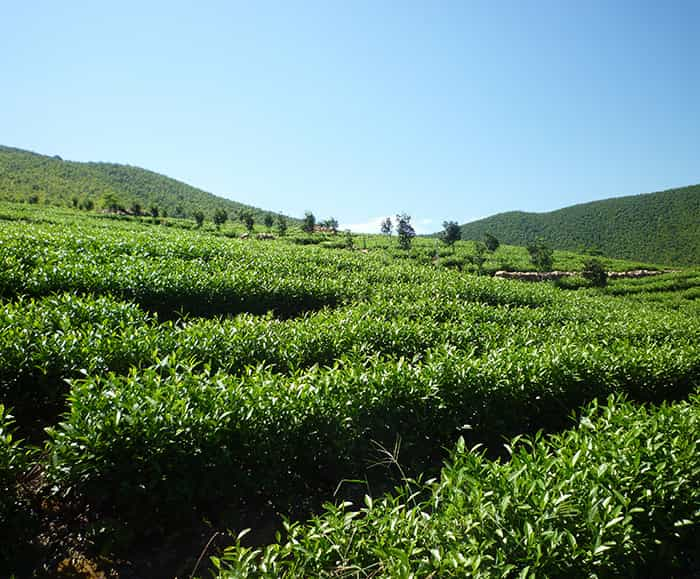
187, 375
174, 437
541, 256
168, 274
678, 289
466, 255
16, 524
12, 463
661, 227
27, 176
594, 272
615, 497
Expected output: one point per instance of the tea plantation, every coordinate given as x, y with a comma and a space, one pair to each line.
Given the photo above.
161, 384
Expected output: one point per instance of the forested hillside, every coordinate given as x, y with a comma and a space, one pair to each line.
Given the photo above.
661, 227
30, 177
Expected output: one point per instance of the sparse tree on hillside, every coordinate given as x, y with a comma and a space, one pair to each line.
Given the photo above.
281, 225
541, 255
387, 227
451, 232
110, 203
594, 272
479, 256
309, 222
220, 217
268, 221
198, 217
404, 230
247, 219
491, 242
331, 224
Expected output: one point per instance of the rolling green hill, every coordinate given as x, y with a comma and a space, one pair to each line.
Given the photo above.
30, 177
661, 227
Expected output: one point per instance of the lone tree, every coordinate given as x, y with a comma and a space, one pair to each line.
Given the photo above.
247, 219
268, 220
349, 241
541, 255
491, 242
404, 230
387, 227
198, 217
220, 217
594, 272
451, 232
281, 225
309, 222
479, 256
330, 224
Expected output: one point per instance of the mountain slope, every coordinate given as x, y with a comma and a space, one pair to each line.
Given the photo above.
26, 176
661, 227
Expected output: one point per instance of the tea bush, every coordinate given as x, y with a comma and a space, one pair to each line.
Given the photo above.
17, 524
616, 496
168, 436
195, 374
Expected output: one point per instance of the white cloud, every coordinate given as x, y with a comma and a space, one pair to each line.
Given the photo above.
423, 226
370, 226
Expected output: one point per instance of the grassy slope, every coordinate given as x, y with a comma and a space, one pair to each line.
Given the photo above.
24, 174
661, 227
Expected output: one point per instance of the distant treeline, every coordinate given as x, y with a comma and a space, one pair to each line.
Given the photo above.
33, 178
661, 227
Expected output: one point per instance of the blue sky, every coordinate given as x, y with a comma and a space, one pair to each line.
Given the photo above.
358, 110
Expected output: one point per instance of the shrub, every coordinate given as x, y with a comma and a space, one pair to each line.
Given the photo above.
572, 282
491, 242
595, 273
616, 496
17, 525
541, 255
